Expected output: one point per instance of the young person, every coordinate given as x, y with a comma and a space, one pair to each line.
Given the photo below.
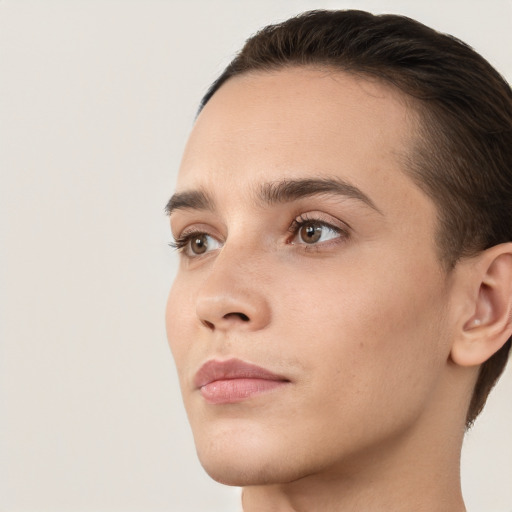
344, 299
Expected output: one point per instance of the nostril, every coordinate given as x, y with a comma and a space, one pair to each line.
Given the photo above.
242, 316
208, 324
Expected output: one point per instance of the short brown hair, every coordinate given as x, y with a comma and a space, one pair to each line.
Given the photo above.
463, 159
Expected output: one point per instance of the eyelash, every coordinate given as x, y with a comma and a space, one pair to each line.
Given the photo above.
303, 220
180, 243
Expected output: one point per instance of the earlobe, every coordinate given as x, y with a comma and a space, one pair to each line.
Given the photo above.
489, 322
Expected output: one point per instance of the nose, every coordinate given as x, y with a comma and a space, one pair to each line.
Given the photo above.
233, 296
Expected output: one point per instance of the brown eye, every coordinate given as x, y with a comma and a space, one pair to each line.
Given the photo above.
310, 233
199, 244
195, 244
315, 232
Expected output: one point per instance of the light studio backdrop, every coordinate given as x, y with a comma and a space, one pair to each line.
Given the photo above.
96, 101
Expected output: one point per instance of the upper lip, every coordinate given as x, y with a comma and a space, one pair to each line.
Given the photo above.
231, 369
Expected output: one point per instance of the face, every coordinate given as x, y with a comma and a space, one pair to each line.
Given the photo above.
306, 318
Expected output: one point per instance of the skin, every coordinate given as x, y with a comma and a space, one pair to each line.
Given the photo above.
360, 323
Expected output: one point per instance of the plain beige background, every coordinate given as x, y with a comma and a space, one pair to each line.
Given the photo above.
96, 100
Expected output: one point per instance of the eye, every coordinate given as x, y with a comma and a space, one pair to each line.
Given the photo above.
195, 244
314, 231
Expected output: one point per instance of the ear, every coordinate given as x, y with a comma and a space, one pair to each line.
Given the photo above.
486, 322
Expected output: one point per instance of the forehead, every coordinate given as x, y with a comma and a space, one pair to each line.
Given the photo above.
295, 123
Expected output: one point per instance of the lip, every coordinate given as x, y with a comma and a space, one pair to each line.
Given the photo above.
232, 381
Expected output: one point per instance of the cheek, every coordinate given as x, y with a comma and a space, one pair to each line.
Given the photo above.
369, 331
179, 317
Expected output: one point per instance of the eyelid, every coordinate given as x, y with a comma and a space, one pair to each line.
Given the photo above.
320, 218
196, 228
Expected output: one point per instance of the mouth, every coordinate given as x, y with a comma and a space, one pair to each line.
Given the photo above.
232, 381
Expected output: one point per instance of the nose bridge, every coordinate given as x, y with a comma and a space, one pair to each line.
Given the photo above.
233, 294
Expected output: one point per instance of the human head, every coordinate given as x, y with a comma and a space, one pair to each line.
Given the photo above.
463, 157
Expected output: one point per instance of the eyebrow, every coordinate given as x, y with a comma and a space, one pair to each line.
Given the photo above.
290, 190
276, 192
189, 200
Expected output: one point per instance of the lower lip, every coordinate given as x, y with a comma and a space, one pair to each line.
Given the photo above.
236, 390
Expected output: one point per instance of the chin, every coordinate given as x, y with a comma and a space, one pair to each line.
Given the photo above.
238, 475
241, 460
240, 472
